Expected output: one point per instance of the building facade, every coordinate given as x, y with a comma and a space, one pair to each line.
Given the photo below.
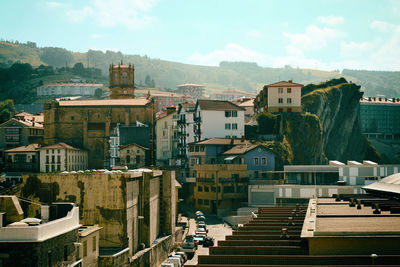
167, 138
196, 91
220, 187
88, 124
279, 97
231, 94
133, 156
23, 158
215, 118
68, 89
20, 132
380, 118
62, 157
185, 130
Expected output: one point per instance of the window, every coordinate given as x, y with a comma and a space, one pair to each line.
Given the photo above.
196, 148
192, 162
47, 167
213, 189
263, 161
124, 78
280, 90
94, 244
289, 90
115, 78
234, 113
227, 126
280, 100
234, 126
72, 118
85, 248
191, 148
58, 167
200, 201
289, 100
228, 113
206, 189
53, 159
47, 159
137, 151
47, 151
201, 148
256, 161
128, 159
58, 159
229, 189
206, 202
12, 130
199, 188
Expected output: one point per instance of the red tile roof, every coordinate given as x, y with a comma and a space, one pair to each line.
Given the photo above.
284, 84
60, 145
28, 148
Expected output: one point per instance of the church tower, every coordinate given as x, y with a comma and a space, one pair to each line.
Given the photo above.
122, 82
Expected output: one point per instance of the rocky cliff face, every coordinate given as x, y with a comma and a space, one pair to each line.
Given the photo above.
337, 106
328, 128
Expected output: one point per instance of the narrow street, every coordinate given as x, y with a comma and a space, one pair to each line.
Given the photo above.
216, 229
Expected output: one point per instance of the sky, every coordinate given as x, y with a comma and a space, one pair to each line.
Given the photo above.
317, 34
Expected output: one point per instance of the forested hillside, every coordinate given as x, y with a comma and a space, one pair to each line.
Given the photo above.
167, 74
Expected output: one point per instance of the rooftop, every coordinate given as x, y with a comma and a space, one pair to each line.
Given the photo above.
86, 230
284, 84
380, 100
390, 184
27, 148
221, 141
189, 85
217, 105
73, 85
59, 146
242, 149
105, 102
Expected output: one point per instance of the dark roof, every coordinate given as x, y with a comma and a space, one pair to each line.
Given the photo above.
134, 134
217, 105
284, 84
220, 141
105, 102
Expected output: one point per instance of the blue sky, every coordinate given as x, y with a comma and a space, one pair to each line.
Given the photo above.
323, 34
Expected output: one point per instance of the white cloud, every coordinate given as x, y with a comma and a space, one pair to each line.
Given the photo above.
254, 33
330, 20
96, 36
79, 15
53, 4
314, 37
231, 52
383, 26
132, 14
354, 49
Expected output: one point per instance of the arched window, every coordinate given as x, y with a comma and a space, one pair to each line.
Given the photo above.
116, 78
124, 78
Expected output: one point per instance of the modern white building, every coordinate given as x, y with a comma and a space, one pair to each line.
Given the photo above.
215, 118
68, 89
232, 94
62, 157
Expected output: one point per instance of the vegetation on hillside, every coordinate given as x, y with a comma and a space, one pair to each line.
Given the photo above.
242, 75
7, 110
20, 81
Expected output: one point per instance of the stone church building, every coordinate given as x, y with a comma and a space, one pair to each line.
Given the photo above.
88, 124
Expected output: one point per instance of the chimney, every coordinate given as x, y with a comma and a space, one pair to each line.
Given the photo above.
170, 110
290, 81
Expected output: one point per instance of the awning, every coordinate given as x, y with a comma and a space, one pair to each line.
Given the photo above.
230, 158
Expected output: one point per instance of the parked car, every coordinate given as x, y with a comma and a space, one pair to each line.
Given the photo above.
200, 218
176, 261
201, 224
185, 257
167, 264
201, 232
189, 246
208, 241
198, 240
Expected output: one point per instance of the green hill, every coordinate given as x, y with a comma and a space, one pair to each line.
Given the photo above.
167, 74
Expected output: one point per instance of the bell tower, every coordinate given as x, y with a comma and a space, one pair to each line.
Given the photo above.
122, 81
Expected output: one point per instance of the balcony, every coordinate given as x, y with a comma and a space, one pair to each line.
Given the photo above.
197, 119
181, 121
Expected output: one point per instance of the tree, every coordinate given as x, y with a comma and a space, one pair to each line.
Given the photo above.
56, 56
266, 123
78, 69
7, 110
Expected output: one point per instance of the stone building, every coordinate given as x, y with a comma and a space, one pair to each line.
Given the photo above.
134, 207
88, 124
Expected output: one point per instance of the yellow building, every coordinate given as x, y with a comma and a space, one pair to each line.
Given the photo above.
220, 187
87, 124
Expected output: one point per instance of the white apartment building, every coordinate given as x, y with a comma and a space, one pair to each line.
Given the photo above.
185, 127
215, 119
68, 89
62, 157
